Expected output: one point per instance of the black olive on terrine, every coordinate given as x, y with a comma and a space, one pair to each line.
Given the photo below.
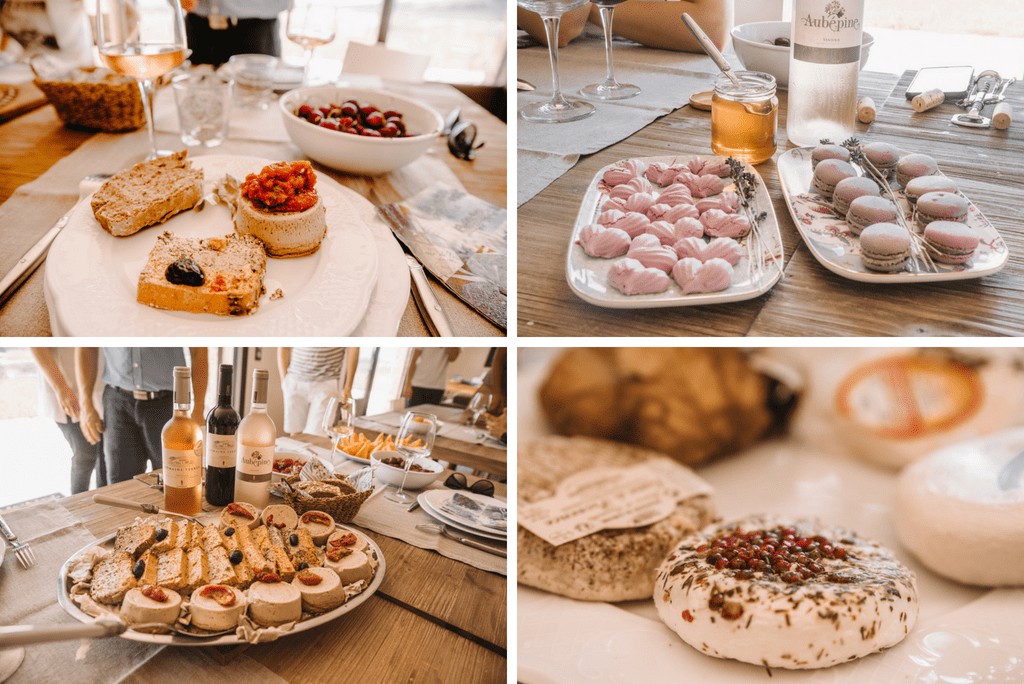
140, 567
228, 531
235, 557
185, 271
161, 534
294, 540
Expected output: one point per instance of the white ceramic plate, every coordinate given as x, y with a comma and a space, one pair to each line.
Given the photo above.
436, 498
588, 276
64, 599
444, 518
837, 249
91, 276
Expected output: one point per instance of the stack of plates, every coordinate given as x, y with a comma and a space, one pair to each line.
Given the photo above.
476, 514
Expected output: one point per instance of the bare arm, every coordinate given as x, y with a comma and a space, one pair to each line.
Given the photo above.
453, 353
571, 26
284, 359
498, 381
658, 24
416, 353
57, 381
200, 378
351, 362
86, 359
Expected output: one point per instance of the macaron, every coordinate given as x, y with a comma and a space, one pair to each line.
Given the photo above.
914, 166
850, 189
940, 206
950, 242
867, 210
828, 173
884, 247
925, 184
882, 156
823, 152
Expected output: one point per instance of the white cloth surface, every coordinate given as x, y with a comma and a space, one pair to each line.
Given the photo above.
305, 402
431, 368
667, 79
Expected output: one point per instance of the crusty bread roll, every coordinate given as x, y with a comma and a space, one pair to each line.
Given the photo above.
610, 565
692, 404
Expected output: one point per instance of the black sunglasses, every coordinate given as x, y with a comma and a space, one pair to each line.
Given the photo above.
461, 136
459, 481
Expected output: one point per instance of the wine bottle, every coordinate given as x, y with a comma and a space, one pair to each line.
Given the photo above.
221, 443
256, 437
824, 62
182, 442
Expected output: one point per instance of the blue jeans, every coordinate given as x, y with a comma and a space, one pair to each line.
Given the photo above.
85, 458
131, 433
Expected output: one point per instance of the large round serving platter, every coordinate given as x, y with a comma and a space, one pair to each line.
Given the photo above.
91, 277
64, 599
836, 248
588, 276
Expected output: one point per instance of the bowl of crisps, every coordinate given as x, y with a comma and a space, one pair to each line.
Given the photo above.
359, 447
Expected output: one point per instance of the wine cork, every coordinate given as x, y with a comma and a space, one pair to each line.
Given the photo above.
866, 110
1002, 117
929, 99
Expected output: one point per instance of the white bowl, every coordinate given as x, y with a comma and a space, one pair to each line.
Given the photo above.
391, 475
754, 46
358, 154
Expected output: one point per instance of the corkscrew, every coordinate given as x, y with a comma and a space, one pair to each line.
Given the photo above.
988, 87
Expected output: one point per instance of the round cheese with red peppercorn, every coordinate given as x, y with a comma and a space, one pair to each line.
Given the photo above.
319, 524
150, 604
281, 517
785, 593
216, 607
273, 602
320, 588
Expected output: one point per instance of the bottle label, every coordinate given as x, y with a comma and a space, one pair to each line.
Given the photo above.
221, 451
255, 460
828, 32
183, 469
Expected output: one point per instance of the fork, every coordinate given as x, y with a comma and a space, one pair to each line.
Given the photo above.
21, 549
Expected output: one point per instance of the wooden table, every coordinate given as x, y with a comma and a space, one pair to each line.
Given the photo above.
481, 458
809, 301
34, 142
432, 620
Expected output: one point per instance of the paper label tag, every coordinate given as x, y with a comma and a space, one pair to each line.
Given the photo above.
221, 450
183, 469
611, 498
255, 460
828, 31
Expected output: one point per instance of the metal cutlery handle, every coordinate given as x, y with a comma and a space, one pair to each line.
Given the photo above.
473, 543
30, 261
26, 635
433, 314
125, 503
7, 531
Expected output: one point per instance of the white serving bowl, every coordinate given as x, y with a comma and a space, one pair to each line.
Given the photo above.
391, 475
754, 46
358, 154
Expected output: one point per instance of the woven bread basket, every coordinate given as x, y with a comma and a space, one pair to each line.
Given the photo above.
342, 507
112, 104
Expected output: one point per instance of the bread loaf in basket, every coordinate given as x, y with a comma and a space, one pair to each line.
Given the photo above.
335, 496
94, 99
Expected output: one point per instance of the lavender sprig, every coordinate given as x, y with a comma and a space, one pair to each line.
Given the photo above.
746, 189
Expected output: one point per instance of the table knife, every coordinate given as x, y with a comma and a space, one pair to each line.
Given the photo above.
473, 543
426, 302
139, 506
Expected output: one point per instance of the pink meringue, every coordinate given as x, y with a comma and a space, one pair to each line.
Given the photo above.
708, 167
719, 248
632, 222
701, 186
681, 211
656, 212
639, 202
670, 233
614, 203
610, 216
624, 172
729, 202
694, 276
656, 172
648, 250
676, 194
605, 243
717, 223
630, 277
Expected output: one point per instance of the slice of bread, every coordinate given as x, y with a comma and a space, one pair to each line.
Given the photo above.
232, 275
167, 543
135, 539
147, 194
112, 578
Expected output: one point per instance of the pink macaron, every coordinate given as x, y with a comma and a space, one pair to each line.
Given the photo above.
914, 166
828, 173
950, 242
866, 210
882, 156
884, 247
925, 184
828, 151
940, 206
850, 189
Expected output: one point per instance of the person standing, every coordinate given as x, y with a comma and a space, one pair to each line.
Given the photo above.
218, 29
310, 376
58, 399
428, 374
137, 402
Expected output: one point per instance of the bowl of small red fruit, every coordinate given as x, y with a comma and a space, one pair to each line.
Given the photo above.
359, 131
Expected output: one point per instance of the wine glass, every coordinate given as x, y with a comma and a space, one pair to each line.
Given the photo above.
415, 438
557, 109
609, 88
311, 24
337, 421
478, 405
143, 39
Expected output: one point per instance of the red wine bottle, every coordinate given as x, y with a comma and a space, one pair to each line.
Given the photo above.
221, 425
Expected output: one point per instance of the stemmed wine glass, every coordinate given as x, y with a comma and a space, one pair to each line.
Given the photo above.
609, 88
143, 39
415, 438
557, 109
310, 24
337, 421
478, 405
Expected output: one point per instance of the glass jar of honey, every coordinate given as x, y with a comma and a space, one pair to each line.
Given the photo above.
744, 117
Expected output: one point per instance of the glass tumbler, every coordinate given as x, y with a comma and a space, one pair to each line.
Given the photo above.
254, 80
744, 117
204, 108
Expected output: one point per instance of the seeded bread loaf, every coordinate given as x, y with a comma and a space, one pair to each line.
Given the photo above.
610, 565
231, 275
112, 578
147, 194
